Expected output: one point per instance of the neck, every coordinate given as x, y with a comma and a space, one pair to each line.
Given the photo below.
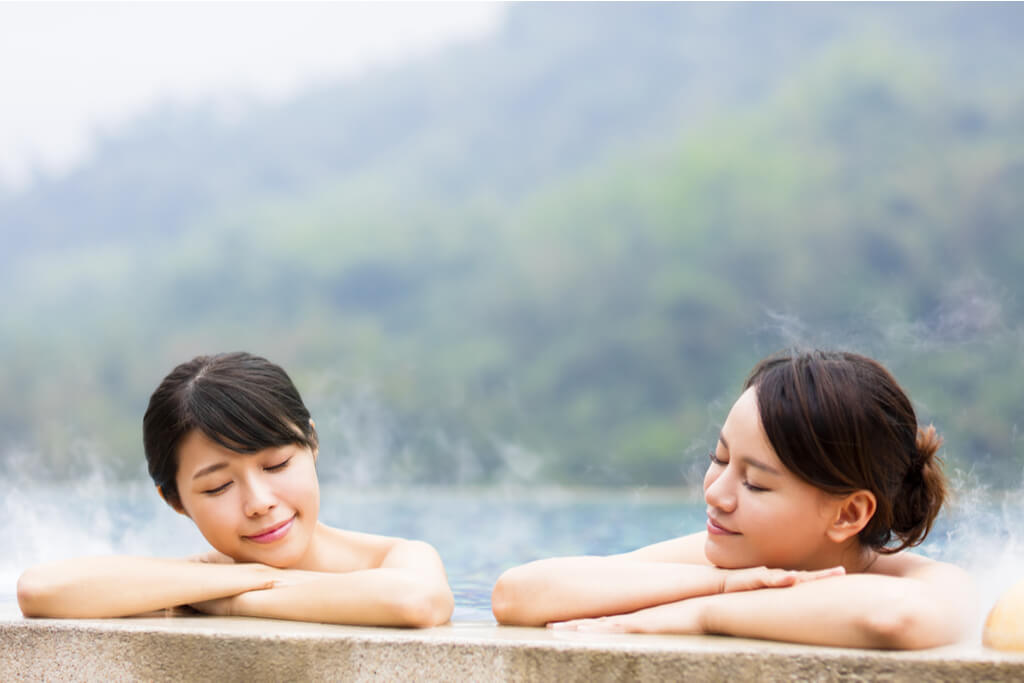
858, 559
311, 560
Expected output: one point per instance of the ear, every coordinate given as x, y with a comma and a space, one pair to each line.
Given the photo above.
852, 514
316, 451
177, 507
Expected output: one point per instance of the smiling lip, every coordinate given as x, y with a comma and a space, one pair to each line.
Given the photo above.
719, 530
272, 534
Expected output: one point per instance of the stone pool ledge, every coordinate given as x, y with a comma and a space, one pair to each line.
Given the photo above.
196, 648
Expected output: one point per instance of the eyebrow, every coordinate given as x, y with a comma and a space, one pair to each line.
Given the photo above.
207, 470
746, 459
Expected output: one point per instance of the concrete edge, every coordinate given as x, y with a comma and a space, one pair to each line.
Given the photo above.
239, 649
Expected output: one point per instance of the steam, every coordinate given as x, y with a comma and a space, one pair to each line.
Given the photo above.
482, 532
978, 527
970, 310
94, 514
365, 443
979, 532
364, 433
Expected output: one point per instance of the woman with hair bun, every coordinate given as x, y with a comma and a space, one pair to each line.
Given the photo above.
819, 482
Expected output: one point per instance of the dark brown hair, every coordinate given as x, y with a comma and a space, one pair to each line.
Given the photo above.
240, 401
841, 422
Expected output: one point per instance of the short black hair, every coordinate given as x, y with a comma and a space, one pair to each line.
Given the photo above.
240, 401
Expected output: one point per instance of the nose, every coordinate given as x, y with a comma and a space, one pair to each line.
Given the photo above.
259, 498
719, 489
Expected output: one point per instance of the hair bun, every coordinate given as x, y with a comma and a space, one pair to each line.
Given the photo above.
922, 494
928, 443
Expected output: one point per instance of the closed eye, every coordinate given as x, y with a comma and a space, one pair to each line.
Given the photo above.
278, 466
755, 489
219, 489
715, 460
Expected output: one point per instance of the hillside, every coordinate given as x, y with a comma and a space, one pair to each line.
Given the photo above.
555, 253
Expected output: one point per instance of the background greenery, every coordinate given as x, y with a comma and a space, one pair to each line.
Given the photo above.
551, 255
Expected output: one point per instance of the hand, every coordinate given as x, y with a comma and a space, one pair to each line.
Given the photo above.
228, 605
685, 616
762, 577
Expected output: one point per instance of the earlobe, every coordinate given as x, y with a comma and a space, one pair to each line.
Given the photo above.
853, 514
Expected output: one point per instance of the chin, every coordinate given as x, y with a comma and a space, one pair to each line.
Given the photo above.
722, 559
714, 556
280, 560
278, 564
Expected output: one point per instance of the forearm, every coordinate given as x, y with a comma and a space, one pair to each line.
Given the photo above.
98, 587
372, 597
577, 587
851, 611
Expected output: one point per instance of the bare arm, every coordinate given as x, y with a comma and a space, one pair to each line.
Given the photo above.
565, 588
929, 606
408, 589
574, 587
116, 586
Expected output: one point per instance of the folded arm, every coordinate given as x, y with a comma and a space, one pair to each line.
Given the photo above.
408, 589
565, 588
933, 607
574, 587
117, 586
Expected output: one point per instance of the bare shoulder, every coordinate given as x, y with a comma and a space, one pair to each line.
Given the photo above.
345, 551
685, 549
913, 566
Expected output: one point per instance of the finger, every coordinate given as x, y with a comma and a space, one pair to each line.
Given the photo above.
787, 579
778, 580
831, 571
822, 574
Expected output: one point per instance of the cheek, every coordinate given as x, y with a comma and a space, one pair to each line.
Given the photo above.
302, 485
784, 527
218, 521
212, 513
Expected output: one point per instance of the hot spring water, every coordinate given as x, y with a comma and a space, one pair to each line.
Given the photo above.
478, 532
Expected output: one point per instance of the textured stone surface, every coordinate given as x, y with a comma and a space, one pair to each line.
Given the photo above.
235, 649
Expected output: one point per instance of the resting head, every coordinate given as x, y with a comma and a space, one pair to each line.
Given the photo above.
821, 462
238, 401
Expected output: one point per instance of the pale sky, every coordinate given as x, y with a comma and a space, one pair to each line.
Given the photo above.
69, 69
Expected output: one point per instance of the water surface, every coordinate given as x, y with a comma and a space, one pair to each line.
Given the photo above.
478, 532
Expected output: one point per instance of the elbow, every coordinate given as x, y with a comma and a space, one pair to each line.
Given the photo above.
426, 607
890, 628
508, 609
502, 604
906, 627
32, 595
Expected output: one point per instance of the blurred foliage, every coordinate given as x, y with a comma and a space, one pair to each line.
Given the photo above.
553, 254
